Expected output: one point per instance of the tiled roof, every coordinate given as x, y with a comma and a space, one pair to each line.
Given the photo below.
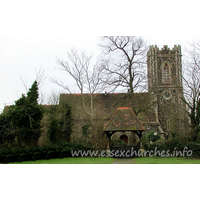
124, 119
107, 103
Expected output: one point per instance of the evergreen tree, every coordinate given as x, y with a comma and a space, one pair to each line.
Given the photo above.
26, 116
33, 94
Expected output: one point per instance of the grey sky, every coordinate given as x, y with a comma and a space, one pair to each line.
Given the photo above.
21, 56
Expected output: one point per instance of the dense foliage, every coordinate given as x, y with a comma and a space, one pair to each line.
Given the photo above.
118, 141
6, 131
85, 130
151, 136
40, 153
21, 123
59, 123
174, 146
194, 116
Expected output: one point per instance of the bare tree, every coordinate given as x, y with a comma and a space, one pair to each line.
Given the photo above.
125, 60
40, 78
86, 75
54, 97
192, 87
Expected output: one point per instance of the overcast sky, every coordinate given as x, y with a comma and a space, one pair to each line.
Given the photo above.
22, 56
81, 22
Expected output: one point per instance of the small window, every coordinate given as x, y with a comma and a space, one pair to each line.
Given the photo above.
166, 74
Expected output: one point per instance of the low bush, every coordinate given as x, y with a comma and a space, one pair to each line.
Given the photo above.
173, 145
118, 141
40, 153
152, 137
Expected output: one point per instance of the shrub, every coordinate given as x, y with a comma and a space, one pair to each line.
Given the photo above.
40, 153
173, 145
7, 136
59, 123
117, 141
152, 137
94, 136
160, 141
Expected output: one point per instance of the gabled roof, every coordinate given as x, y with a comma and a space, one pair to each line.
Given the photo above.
124, 119
107, 103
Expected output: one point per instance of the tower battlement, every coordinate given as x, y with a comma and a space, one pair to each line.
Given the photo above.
164, 67
165, 50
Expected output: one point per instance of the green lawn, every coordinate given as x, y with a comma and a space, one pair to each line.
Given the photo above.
169, 160
84, 160
71, 161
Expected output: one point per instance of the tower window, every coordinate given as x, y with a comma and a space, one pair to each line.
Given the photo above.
166, 76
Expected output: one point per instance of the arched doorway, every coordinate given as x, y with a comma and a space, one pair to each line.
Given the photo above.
124, 138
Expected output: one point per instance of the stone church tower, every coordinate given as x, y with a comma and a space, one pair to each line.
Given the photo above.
166, 88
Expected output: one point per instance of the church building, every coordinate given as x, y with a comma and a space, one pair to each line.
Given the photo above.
162, 108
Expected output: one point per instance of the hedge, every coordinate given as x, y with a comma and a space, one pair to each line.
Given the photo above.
174, 145
40, 153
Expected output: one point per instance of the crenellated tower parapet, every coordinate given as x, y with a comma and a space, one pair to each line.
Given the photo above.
164, 67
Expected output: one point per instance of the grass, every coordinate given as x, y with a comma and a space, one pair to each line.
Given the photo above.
82, 160
159, 160
100, 160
